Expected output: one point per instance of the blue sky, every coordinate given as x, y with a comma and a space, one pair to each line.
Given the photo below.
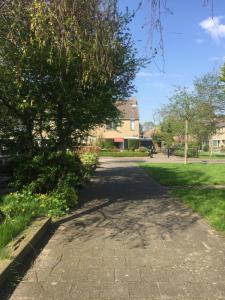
194, 44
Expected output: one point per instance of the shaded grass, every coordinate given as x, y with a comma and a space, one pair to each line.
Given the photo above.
10, 228
209, 203
191, 174
124, 154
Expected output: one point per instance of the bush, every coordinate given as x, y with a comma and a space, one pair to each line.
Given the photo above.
89, 159
191, 152
90, 162
55, 204
43, 172
205, 148
60, 201
108, 144
133, 144
21, 203
142, 149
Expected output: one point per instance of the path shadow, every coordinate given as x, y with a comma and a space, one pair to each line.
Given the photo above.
124, 204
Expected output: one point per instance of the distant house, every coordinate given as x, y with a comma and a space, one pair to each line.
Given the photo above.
128, 128
217, 141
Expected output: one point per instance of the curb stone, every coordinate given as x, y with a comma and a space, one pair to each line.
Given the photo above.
23, 246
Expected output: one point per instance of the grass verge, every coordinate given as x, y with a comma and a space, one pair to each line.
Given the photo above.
190, 174
207, 202
124, 154
10, 228
207, 155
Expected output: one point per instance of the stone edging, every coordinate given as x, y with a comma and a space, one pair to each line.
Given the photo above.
22, 246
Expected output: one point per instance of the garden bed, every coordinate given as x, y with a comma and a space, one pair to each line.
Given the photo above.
47, 186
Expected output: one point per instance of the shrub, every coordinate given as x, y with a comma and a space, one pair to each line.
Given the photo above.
21, 203
43, 172
60, 201
142, 149
89, 159
25, 203
205, 148
133, 144
108, 144
191, 152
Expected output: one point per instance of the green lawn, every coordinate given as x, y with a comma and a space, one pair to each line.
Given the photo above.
207, 155
9, 229
123, 154
191, 174
208, 202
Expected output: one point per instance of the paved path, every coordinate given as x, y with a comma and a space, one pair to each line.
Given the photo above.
129, 241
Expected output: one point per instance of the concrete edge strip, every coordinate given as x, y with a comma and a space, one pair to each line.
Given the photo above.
22, 246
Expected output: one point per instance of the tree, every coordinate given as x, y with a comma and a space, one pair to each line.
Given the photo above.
194, 113
63, 65
148, 126
211, 103
179, 113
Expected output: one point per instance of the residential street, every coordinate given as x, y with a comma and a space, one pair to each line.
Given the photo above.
130, 240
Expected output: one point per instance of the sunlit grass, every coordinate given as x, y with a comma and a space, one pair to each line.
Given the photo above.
190, 174
209, 202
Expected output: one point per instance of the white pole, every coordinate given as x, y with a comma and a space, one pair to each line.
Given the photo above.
186, 143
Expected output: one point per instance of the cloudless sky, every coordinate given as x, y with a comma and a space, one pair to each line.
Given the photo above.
194, 44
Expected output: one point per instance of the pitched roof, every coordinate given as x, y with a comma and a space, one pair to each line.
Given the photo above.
129, 108
220, 124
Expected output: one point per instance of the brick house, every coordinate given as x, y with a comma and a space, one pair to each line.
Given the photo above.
127, 129
217, 141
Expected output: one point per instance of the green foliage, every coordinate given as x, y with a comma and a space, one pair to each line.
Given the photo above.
25, 203
124, 153
21, 203
63, 65
60, 201
209, 203
89, 159
190, 174
133, 144
107, 144
90, 162
10, 228
205, 148
192, 152
43, 172
142, 149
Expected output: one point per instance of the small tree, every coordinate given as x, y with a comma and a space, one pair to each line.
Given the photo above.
63, 64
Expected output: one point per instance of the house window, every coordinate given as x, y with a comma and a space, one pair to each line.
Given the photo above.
112, 125
215, 143
132, 124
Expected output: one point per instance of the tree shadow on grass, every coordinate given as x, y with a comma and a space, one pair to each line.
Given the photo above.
176, 177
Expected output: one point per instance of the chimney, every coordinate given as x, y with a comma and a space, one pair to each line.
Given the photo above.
133, 101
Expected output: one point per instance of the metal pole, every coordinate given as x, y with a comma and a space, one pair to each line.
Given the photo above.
186, 143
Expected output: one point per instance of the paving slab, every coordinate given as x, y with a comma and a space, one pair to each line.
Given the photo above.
130, 241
